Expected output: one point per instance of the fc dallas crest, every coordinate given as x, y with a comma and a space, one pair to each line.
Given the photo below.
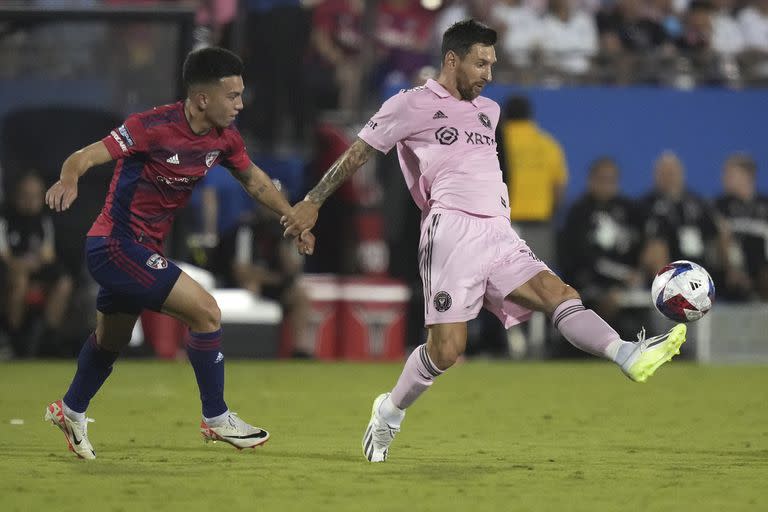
211, 157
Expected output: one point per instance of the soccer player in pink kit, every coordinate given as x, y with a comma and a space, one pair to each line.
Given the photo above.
162, 154
469, 255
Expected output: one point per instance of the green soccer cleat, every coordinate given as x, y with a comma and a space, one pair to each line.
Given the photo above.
651, 353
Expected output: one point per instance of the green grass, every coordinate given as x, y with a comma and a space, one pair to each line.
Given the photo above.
488, 436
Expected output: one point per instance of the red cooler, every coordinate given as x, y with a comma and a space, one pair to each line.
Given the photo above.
372, 318
166, 334
324, 294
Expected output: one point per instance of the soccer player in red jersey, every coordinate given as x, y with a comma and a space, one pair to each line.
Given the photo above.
162, 153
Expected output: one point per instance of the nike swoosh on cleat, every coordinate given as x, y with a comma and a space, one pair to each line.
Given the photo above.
258, 435
77, 441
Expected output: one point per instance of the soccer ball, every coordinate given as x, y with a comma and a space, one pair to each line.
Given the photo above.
683, 291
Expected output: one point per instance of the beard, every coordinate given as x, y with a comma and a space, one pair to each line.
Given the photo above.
467, 90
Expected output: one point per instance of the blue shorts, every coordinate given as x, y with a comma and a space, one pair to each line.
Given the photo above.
132, 276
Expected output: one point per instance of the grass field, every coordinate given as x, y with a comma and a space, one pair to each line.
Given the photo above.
488, 436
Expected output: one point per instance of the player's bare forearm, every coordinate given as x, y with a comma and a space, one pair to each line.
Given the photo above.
63, 193
345, 166
83, 159
260, 187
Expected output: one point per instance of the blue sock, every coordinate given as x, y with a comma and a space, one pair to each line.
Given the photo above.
94, 364
208, 362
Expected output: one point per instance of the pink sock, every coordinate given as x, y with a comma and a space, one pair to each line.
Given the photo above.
417, 376
586, 330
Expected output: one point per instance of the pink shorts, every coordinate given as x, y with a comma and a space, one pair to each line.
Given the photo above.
468, 262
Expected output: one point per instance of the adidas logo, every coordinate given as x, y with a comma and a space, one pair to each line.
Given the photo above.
174, 159
219, 358
439, 115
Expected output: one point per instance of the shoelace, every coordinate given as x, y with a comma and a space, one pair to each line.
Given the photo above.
646, 343
385, 430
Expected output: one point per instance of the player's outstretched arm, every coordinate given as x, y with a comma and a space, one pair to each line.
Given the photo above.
261, 187
63, 193
304, 214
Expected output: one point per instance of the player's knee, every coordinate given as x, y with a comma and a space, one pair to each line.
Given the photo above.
209, 316
446, 350
558, 293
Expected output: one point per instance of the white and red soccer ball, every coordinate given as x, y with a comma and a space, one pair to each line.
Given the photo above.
683, 291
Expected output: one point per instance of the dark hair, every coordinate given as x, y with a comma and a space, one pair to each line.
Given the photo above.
603, 161
209, 65
700, 5
460, 37
517, 108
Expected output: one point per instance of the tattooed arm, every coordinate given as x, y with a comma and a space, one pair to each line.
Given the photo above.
261, 187
304, 215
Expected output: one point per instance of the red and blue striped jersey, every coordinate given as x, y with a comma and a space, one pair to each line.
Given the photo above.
160, 159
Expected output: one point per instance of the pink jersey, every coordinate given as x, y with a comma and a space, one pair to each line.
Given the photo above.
160, 161
446, 148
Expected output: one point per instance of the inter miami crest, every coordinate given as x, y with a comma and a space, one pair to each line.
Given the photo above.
442, 301
484, 120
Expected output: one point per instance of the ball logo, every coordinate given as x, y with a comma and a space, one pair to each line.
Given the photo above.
157, 262
442, 301
447, 135
211, 157
484, 120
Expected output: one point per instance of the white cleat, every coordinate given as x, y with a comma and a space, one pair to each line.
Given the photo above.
75, 432
236, 432
378, 435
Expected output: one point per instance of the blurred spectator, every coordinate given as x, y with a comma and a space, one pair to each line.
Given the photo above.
754, 24
681, 225
667, 14
403, 29
695, 41
255, 256
568, 38
697, 32
601, 239
276, 44
746, 214
519, 27
727, 36
535, 171
624, 27
334, 68
214, 22
30, 271
457, 10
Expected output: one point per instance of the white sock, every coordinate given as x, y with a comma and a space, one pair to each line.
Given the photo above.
624, 349
390, 413
612, 350
73, 415
216, 420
